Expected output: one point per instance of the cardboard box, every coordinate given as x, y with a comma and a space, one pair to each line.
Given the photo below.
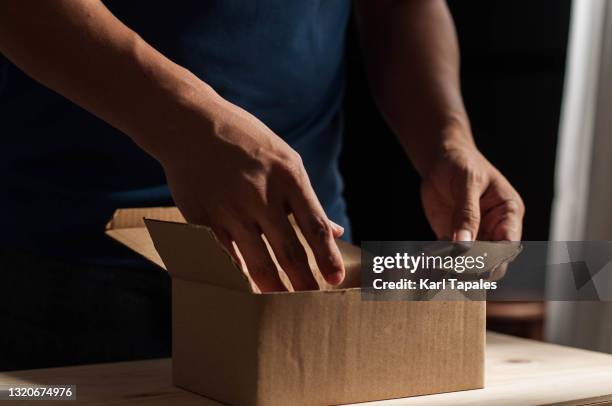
241, 347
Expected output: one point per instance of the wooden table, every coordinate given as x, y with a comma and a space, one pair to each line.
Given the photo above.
519, 372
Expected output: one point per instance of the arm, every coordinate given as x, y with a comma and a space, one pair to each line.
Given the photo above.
412, 59
80, 50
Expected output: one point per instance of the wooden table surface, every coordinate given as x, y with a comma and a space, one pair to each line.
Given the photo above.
519, 372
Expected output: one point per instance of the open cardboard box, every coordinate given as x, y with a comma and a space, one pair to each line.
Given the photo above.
233, 344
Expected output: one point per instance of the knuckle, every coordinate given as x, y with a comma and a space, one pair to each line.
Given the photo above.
294, 172
321, 228
296, 158
466, 179
469, 215
521, 204
251, 198
292, 168
514, 206
474, 177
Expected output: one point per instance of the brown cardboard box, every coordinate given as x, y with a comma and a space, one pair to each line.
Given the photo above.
241, 347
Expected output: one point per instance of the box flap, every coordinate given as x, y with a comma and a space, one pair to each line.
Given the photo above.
134, 218
127, 227
192, 252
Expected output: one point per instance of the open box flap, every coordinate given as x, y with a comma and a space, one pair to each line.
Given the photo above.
193, 253
127, 226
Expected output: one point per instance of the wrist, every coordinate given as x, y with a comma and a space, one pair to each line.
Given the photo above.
190, 112
453, 136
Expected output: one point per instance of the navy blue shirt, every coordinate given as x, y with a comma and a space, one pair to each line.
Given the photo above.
64, 171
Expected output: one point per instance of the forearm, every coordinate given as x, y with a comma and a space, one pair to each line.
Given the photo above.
80, 50
224, 167
412, 58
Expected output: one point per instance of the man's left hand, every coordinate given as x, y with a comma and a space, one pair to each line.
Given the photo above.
466, 198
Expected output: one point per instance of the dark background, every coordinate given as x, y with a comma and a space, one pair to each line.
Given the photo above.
513, 62
513, 56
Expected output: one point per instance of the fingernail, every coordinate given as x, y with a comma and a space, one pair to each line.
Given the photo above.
463, 235
337, 226
335, 278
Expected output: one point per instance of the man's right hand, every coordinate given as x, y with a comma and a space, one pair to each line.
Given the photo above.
225, 168
232, 173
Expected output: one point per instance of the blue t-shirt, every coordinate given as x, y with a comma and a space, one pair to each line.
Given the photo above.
64, 171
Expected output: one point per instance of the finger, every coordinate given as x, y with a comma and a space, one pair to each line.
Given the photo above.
466, 214
337, 229
289, 252
317, 230
259, 264
510, 230
226, 241
505, 222
503, 213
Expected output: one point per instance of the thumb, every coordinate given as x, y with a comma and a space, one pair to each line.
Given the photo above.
466, 215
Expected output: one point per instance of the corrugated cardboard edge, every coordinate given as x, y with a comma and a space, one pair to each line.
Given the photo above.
215, 334
134, 218
128, 228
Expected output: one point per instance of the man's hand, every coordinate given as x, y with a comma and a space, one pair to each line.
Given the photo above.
235, 175
225, 168
412, 56
466, 198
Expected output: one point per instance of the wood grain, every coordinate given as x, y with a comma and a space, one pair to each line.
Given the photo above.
519, 372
